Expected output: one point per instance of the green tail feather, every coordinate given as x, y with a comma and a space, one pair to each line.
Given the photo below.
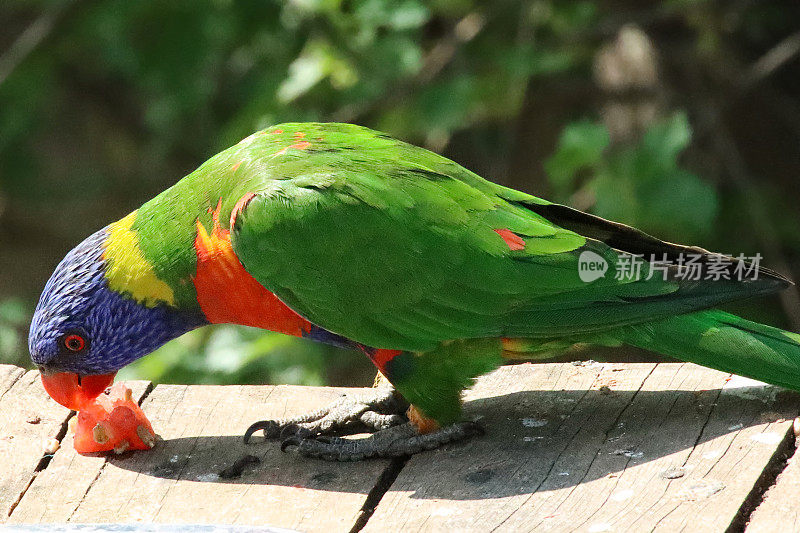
723, 341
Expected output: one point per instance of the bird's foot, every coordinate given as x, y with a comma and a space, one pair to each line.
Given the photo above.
378, 409
396, 441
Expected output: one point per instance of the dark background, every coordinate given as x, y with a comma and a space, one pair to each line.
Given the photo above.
679, 117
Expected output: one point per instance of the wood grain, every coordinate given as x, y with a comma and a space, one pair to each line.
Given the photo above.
779, 511
593, 448
183, 478
29, 420
56, 492
9, 374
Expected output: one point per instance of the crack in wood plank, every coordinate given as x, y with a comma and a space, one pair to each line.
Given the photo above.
28, 418
776, 510
569, 448
720, 465
611, 427
10, 375
43, 463
62, 476
207, 423
769, 477
611, 474
683, 465
375, 495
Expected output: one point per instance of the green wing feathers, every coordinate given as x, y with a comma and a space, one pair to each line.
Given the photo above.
396, 247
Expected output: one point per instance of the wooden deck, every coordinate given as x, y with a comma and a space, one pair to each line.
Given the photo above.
590, 448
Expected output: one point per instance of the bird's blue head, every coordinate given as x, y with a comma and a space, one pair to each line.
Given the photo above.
82, 327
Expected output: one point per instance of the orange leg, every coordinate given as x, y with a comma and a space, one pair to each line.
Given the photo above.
423, 424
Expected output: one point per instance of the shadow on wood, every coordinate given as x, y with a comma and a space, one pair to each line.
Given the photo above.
602, 447
531, 436
586, 446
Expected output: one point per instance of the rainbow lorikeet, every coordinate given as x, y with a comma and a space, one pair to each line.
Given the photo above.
347, 236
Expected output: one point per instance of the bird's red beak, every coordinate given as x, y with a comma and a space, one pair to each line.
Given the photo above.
73, 391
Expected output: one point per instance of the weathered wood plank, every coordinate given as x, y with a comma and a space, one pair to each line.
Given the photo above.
584, 448
29, 419
596, 448
779, 511
749, 427
57, 490
139, 528
9, 374
182, 479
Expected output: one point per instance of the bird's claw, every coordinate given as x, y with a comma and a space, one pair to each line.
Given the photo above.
396, 441
267, 426
380, 408
380, 411
290, 441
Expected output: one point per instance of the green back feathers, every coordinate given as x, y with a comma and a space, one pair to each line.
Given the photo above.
153, 251
396, 247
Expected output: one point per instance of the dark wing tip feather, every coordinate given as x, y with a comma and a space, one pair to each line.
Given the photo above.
628, 239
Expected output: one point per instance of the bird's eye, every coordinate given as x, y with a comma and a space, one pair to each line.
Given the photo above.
74, 342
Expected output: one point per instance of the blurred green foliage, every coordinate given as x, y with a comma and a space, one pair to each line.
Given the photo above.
641, 183
14, 319
105, 103
233, 354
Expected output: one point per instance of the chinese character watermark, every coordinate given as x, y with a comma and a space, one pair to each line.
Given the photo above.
683, 266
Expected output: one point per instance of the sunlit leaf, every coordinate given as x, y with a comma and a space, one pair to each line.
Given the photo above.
580, 146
